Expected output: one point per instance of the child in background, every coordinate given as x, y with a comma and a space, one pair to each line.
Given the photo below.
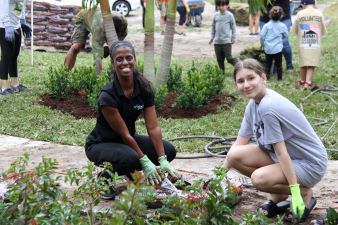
272, 36
223, 34
309, 25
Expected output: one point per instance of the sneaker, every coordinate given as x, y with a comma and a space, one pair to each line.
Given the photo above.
7, 92
289, 69
109, 195
20, 88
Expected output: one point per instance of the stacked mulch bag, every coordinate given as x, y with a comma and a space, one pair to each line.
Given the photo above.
53, 24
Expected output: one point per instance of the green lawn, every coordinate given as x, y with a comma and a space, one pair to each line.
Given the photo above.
21, 115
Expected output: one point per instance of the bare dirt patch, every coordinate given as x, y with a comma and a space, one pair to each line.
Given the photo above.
192, 46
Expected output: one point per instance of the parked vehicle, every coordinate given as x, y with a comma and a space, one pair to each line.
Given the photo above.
196, 10
124, 6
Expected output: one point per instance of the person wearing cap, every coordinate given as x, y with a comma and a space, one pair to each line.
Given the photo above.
114, 138
309, 25
91, 21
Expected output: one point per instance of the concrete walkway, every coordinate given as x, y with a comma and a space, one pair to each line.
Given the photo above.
74, 157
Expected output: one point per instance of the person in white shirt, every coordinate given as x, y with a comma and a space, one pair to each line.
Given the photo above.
12, 21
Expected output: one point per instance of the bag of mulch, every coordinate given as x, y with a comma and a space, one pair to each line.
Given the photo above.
57, 29
229, 189
39, 28
57, 38
58, 20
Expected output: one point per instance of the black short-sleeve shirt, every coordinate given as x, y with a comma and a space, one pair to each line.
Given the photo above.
129, 109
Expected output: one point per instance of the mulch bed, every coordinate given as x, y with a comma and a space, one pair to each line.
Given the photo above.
77, 106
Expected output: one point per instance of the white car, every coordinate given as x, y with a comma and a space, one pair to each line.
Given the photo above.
124, 6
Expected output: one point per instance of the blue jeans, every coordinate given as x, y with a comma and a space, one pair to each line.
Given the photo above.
287, 50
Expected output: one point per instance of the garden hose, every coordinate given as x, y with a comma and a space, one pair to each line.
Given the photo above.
226, 144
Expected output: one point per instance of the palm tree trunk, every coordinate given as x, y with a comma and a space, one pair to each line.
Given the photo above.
108, 23
162, 74
149, 42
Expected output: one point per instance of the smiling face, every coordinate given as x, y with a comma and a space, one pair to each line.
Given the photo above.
250, 84
123, 61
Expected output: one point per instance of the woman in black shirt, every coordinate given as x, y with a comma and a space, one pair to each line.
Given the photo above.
114, 137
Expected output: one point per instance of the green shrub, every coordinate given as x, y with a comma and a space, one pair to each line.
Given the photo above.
174, 82
199, 86
59, 81
101, 81
160, 95
83, 78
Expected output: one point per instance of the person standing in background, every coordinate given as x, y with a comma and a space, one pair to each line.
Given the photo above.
272, 36
162, 6
309, 25
12, 21
286, 19
253, 18
223, 34
183, 10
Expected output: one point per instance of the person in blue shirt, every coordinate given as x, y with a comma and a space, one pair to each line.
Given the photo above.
286, 19
272, 36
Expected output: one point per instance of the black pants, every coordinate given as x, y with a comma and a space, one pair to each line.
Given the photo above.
223, 51
9, 55
183, 14
123, 158
278, 63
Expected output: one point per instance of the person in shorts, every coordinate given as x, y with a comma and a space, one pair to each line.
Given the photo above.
91, 21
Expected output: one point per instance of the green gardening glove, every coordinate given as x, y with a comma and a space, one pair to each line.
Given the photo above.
166, 167
297, 203
149, 171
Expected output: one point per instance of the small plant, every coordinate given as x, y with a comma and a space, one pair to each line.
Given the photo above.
332, 216
160, 95
257, 218
83, 78
96, 89
174, 82
199, 86
59, 81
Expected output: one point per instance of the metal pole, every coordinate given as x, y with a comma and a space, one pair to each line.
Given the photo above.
32, 25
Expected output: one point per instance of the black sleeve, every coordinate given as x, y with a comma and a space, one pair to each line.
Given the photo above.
106, 99
149, 99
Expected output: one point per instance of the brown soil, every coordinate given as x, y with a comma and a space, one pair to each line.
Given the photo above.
77, 106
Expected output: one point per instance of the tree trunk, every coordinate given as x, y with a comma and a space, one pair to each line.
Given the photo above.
108, 23
162, 74
149, 42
